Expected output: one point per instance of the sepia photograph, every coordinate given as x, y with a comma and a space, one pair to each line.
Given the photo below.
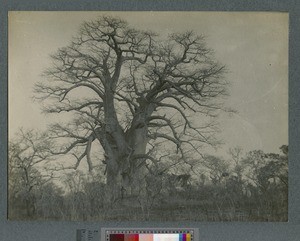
148, 116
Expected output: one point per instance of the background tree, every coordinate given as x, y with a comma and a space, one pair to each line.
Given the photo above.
253, 162
27, 153
273, 183
128, 90
50, 202
236, 182
218, 169
236, 154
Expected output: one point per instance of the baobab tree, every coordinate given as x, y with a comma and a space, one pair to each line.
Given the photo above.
130, 90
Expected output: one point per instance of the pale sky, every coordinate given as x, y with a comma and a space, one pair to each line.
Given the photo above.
253, 46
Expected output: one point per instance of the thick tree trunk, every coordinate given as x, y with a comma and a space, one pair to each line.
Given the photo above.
125, 173
137, 139
137, 170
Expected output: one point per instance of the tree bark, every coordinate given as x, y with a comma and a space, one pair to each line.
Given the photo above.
125, 173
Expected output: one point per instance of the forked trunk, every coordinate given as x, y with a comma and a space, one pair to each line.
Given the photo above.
125, 173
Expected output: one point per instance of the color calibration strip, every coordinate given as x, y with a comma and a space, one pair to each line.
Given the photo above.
151, 237
178, 235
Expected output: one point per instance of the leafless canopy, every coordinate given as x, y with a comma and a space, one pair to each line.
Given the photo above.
119, 81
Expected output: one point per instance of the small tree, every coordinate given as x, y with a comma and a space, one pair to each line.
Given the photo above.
26, 152
217, 168
273, 178
253, 162
267, 176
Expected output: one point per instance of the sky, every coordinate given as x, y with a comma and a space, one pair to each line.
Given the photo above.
253, 46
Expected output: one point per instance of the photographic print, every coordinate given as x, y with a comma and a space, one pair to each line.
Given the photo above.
148, 116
